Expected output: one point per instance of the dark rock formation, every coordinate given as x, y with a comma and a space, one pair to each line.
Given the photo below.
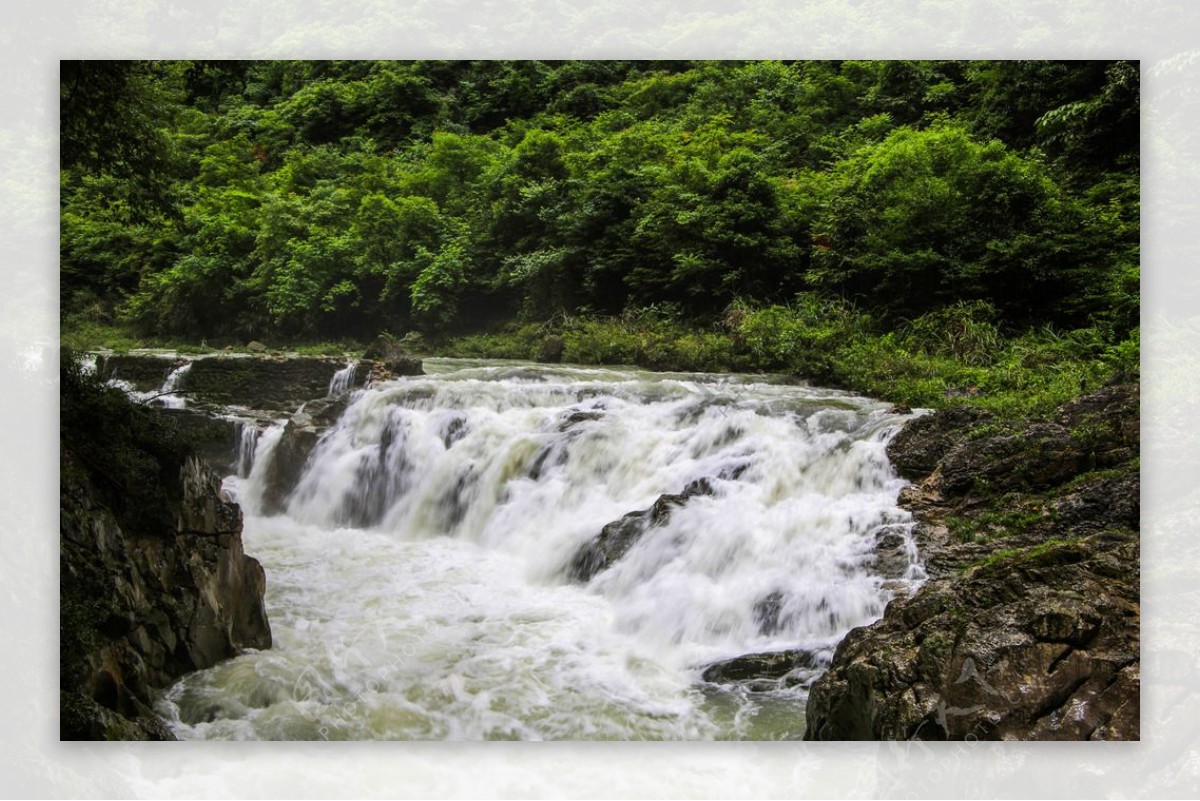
796, 665
550, 351
616, 538
258, 382
144, 372
154, 582
214, 439
287, 462
261, 383
392, 359
1029, 626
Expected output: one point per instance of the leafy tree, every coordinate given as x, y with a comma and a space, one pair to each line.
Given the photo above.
925, 218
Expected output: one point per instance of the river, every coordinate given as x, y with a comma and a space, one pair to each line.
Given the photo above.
419, 583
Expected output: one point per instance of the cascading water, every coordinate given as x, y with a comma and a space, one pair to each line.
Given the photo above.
170, 387
342, 380
247, 434
420, 587
166, 395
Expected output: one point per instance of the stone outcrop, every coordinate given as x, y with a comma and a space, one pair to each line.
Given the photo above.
296, 443
254, 381
616, 538
1029, 625
154, 581
551, 349
391, 359
214, 439
766, 670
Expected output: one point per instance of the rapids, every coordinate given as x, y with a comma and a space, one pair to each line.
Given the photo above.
418, 584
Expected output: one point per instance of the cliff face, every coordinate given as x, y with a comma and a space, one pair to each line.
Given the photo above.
1029, 626
154, 582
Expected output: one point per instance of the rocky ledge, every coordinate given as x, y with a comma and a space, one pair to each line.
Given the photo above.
154, 581
255, 381
1029, 625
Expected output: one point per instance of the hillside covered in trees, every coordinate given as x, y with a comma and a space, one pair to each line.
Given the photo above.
775, 212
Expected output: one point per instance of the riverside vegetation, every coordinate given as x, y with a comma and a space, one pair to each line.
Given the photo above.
939, 234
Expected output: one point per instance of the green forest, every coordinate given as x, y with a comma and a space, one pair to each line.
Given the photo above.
918, 230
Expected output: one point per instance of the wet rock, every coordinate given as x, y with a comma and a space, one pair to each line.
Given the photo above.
1018, 648
257, 382
771, 665
551, 349
215, 439
891, 558
392, 357
280, 383
144, 372
141, 602
616, 538
1029, 628
454, 430
575, 418
921, 444
287, 462
767, 613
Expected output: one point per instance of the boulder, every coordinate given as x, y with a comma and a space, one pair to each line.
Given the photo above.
616, 538
551, 349
142, 603
771, 665
922, 443
1029, 627
258, 382
287, 462
144, 372
392, 357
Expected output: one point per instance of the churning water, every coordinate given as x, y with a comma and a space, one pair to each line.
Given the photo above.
419, 582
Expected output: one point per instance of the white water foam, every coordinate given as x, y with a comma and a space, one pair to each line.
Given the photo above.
418, 585
342, 380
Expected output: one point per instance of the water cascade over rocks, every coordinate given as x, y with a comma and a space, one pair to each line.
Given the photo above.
433, 572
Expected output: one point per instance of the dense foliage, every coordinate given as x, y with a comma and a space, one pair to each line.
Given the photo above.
236, 200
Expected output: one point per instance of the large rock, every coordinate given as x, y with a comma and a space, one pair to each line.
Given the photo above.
153, 579
392, 358
921, 444
257, 382
616, 538
144, 372
261, 383
1029, 627
143, 604
299, 438
796, 664
1039, 644
214, 439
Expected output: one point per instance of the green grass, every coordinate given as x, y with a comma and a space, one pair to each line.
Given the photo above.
931, 363
954, 356
84, 335
1052, 550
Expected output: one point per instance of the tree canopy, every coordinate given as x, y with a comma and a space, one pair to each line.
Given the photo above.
302, 198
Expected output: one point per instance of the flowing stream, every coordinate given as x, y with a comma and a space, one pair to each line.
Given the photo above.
419, 582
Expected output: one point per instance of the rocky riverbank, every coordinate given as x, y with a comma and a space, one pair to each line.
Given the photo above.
1029, 625
154, 581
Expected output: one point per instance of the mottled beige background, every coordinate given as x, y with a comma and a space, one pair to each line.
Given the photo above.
35, 35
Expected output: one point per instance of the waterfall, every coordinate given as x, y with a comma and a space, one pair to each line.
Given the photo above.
342, 380
164, 396
173, 382
247, 433
422, 570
